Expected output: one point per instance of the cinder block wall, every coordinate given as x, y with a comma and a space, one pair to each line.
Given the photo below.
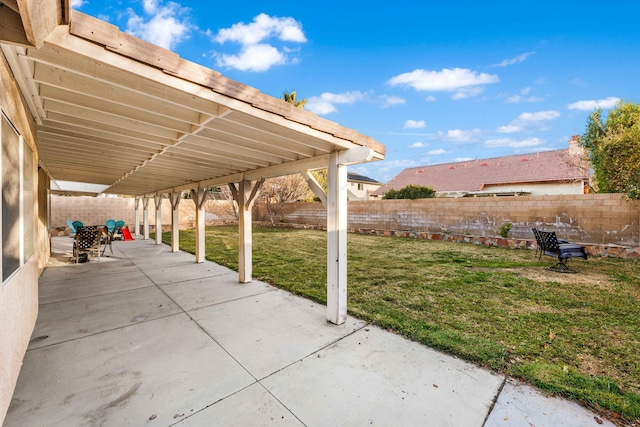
96, 210
90, 210
589, 218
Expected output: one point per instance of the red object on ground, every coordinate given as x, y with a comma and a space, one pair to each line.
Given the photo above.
126, 234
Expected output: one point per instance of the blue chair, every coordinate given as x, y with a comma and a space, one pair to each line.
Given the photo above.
111, 231
71, 227
111, 224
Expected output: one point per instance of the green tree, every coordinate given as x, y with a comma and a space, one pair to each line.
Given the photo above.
613, 146
411, 191
291, 98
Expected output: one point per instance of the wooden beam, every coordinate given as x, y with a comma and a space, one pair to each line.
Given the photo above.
137, 213
199, 197
245, 193
11, 29
315, 186
158, 203
176, 196
336, 241
40, 18
145, 214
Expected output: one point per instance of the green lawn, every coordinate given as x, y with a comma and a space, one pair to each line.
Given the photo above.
577, 335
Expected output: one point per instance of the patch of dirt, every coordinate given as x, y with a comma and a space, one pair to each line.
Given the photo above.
538, 274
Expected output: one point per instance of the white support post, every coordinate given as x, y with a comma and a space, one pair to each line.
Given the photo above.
336, 241
175, 221
313, 184
137, 221
145, 215
158, 202
199, 196
245, 194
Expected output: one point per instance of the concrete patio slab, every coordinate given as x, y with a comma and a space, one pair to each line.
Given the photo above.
80, 287
93, 268
197, 348
153, 373
374, 377
162, 274
67, 320
521, 405
249, 407
270, 331
199, 293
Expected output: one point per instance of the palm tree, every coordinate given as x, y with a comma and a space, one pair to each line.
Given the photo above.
290, 97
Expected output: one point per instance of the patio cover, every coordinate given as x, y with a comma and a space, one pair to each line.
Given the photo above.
114, 110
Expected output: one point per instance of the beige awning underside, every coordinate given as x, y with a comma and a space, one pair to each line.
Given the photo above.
114, 110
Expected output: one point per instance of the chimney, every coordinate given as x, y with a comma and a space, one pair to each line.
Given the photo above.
575, 149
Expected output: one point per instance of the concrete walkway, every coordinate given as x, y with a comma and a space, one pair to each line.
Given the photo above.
146, 337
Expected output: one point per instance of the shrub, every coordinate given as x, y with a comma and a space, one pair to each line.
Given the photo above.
411, 191
505, 229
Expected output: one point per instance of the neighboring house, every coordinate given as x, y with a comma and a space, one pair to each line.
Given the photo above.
360, 186
545, 173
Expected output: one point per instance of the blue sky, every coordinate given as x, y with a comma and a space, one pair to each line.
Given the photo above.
435, 81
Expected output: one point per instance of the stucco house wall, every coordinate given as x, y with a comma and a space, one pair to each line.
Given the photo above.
19, 292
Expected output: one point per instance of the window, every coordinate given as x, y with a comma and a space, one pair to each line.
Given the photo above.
360, 186
18, 188
10, 198
28, 200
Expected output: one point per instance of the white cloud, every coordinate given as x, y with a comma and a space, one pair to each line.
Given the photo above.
521, 98
150, 6
518, 98
388, 101
509, 129
464, 82
77, 4
258, 57
166, 25
539, 116
520, 58
413, 124
459, 136
512, 143
437, 152
468, 92
255, 54
430, 98
325, 103
589, 105
526, 120
419, 145
462, 159
262, 28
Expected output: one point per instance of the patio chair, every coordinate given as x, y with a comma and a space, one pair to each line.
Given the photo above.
119, 225
87, 243
540, 242
77, 224
111, 225
108, 237
71, 228
562, 251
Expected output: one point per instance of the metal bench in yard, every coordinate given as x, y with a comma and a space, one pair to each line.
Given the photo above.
549, 244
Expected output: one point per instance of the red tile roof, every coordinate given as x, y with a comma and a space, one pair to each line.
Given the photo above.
474, 175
